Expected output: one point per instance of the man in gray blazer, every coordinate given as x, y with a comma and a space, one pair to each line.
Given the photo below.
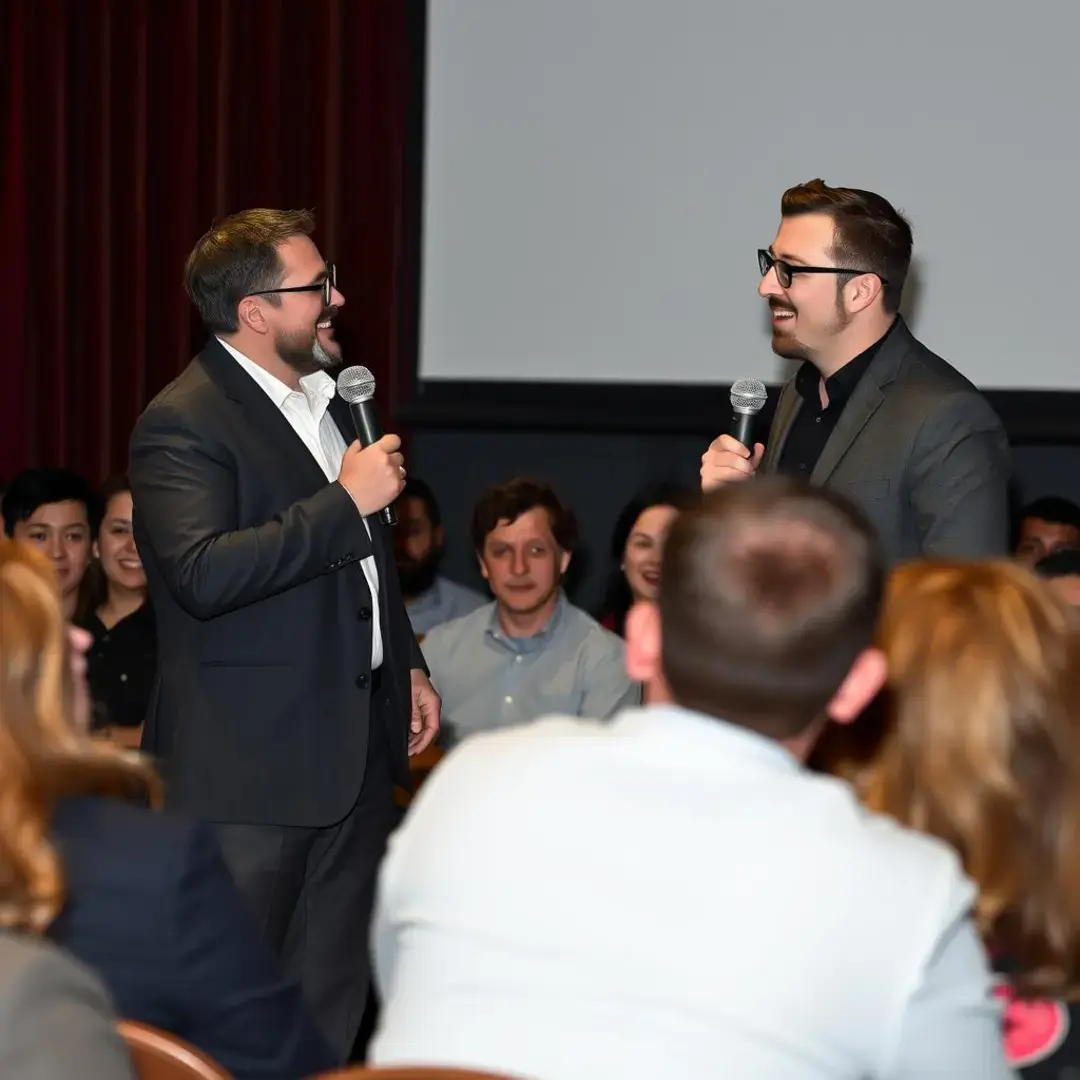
55, 1020
871, 413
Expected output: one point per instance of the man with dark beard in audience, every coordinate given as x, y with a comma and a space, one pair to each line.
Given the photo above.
419, 540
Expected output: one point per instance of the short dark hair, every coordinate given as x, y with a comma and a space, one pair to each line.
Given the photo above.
507, 502
1054, 509
617, 597
415, 488
1065, 562
238, 257
34, 488
769, 593
871, 235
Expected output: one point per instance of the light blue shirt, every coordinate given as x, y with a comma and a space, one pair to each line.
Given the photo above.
444, 601
489, 680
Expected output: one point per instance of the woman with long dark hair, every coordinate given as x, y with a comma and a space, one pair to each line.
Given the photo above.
636, 545
122, 657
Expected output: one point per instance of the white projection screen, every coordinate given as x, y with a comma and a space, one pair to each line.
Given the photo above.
598, 175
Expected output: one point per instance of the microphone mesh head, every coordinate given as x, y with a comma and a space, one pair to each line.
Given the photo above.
356, 384
748, 396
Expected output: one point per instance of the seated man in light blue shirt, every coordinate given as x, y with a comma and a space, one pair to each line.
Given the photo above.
430, 598
672, 895
531, 651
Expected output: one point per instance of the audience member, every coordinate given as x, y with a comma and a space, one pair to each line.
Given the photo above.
142, 898
636, 543
1047, 525
57, 512
531, 651
122, 659
672, 894
982, 749
430, 598
55, 1020
1061, 572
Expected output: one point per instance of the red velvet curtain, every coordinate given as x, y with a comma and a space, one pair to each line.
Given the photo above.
128, 127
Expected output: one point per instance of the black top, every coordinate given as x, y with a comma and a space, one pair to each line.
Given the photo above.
813, 425
120, 668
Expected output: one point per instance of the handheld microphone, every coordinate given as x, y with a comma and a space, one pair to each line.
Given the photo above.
356, 387
748, 398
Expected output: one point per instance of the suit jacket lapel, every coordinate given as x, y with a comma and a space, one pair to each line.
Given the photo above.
264, 417
787, 408
865, 400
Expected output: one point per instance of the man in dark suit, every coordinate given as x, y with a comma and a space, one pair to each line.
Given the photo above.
287, 670
871, 413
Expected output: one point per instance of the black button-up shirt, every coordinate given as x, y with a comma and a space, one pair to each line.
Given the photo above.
120, 668
813, 425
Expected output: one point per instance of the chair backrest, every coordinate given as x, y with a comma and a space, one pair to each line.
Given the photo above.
157, 1055
411, 1072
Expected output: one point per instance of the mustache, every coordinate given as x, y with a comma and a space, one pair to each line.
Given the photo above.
780, 305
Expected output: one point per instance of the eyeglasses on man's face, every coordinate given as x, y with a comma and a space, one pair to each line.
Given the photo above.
785, 271
326, 286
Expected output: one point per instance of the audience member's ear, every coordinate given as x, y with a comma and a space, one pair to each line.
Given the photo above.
564, 562
643, 642
862, 684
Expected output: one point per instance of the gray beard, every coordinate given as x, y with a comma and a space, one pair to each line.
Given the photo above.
321, 357
304, 361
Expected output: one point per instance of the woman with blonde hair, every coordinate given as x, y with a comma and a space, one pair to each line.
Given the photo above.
142, 898
980, 746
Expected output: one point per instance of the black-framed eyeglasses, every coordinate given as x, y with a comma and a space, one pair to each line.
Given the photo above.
326, 286
784, 270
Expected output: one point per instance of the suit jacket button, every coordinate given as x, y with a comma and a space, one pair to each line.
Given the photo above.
362, 681
364, 614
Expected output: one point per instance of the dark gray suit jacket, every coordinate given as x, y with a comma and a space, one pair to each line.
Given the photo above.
920, 450
262, 699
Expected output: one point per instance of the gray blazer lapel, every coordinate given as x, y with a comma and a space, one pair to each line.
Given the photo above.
865, 399
864, 402
787, 408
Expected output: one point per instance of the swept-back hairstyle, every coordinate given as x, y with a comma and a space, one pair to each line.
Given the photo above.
43, 757
870, 233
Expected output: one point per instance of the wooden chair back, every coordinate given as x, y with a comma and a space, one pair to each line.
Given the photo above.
157, 1055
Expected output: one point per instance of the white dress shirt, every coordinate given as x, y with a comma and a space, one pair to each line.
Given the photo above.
306, 411
666, 895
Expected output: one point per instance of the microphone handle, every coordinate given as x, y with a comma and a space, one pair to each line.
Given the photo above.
742, 428
368, 431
